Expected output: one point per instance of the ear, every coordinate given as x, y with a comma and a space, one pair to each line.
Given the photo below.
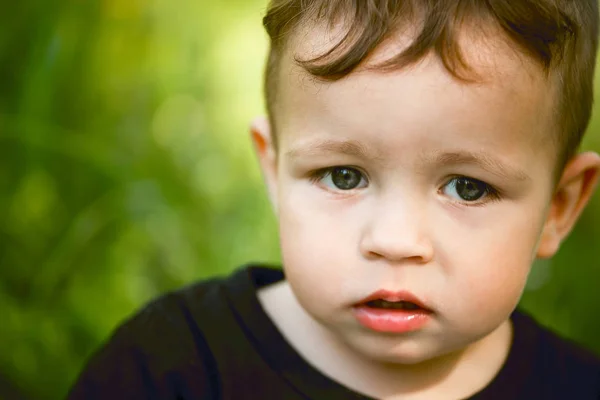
572, 194
260, 133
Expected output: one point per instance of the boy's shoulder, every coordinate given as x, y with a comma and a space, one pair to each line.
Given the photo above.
141, 354
179, 342
549, 347
545, 365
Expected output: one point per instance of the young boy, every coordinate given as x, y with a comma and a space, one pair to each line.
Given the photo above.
419, 156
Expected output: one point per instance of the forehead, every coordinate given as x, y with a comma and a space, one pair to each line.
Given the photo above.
511, 98
484, 45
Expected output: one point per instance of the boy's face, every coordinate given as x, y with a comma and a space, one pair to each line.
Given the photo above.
413, 181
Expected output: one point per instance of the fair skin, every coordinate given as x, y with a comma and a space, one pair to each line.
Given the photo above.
409, 143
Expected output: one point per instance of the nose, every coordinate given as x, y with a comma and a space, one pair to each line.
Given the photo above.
397, 231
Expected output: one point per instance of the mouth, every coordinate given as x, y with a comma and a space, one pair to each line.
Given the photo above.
392, 312
393, 305
387, 300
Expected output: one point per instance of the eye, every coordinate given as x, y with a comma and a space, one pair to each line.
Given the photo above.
341, 178
468, 189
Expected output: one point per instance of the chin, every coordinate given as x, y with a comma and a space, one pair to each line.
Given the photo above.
397, 350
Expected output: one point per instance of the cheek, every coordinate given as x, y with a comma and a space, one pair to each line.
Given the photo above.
316, 250
315, 228
494, 263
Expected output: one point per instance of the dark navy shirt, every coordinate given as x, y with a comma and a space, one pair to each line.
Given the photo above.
213, 340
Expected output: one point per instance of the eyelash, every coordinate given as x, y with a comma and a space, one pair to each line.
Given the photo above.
491, 194
320, 174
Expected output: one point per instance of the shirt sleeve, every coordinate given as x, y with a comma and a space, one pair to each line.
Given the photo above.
116, 371
158, 354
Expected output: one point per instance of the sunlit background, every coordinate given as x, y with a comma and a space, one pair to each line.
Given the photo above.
126, 171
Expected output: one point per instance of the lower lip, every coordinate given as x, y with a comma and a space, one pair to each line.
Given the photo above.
391, 321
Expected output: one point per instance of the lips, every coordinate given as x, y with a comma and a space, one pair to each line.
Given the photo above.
392, 312
386, 298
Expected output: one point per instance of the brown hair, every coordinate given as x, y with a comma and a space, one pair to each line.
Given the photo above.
562, 35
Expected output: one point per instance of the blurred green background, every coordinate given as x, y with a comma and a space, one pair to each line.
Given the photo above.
126, 171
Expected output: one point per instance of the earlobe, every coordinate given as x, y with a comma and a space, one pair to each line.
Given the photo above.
549, 242
260, 134
572, 194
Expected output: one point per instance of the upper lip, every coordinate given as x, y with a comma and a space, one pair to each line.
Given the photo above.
389, 295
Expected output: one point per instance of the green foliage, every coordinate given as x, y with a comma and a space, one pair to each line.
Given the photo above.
126, 171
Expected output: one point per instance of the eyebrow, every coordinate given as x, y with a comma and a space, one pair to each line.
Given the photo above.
484, 160
347, 147
360, 150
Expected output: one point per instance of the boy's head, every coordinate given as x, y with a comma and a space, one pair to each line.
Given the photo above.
425, 146
560, 36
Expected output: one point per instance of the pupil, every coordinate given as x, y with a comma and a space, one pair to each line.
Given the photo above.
469, 189
345, 178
